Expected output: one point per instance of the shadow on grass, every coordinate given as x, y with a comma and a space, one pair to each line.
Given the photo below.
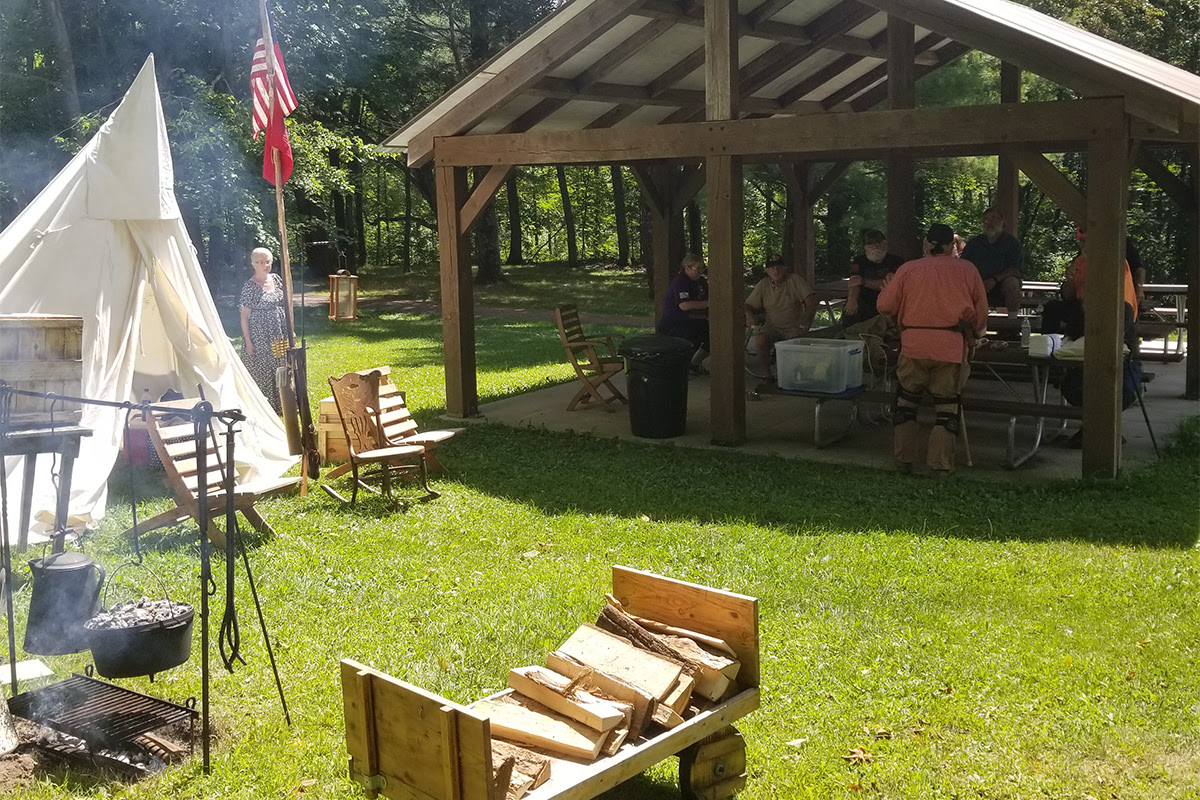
1154, 506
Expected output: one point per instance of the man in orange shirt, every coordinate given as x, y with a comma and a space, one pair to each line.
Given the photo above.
1066, 315
940, 305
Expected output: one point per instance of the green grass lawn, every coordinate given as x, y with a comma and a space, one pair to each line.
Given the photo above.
978, 641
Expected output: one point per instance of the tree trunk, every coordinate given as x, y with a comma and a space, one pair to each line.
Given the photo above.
619, 216
487, 229
486, 234
66, 61
568, 217
695, 234
516, 248
646, 241
407, 220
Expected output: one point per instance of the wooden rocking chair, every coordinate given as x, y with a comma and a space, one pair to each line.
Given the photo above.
357, 396
595, 360
174, 440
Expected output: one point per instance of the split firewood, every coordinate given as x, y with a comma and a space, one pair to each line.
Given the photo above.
530, 769
557, 693
722, 663
607, 685
710, 682
617, 656
713, 642
523, 721
502, 780
616, 738
679, 697
666, 716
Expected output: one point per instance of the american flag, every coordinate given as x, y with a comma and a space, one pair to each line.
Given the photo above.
284, 96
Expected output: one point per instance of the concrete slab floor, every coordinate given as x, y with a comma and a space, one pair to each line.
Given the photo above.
781, 425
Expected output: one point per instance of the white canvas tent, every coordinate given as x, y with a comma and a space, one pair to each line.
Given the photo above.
105, 241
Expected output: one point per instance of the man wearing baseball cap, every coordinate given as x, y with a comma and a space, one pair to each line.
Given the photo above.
941, 306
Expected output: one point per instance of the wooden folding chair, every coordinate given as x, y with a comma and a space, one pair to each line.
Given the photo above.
595, 359
357, 396
174, 440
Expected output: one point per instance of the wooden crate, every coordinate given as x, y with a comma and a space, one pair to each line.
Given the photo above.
42, 353
406, 742
331, 439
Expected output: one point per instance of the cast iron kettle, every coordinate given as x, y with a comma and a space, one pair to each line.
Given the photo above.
66, 594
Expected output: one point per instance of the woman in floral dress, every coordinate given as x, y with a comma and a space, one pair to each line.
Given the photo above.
264, 324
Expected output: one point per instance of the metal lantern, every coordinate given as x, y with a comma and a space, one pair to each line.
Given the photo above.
343, 295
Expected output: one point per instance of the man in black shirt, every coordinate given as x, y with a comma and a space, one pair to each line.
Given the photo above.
869, 273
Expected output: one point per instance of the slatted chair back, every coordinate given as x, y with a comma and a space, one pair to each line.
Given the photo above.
174, 440
594, 359
357, 397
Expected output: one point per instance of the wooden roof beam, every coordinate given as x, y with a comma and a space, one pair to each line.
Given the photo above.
922, 133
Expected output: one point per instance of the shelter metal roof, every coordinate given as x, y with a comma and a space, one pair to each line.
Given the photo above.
631, 63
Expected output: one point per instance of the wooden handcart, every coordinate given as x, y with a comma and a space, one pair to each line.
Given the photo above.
409, 744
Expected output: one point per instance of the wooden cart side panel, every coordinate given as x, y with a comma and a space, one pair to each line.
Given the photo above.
473, 736
421, 744
572, 780
729, 616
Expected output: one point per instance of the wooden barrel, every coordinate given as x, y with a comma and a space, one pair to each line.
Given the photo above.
42, 353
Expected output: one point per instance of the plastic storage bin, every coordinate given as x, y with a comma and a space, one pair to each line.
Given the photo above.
830, 366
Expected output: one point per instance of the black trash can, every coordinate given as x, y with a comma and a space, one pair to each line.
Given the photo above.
656, 374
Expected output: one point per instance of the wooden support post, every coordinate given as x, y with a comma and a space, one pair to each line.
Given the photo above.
798, 178
1191, 384
1007, 188
726, 317
901, 170
1104, 249
458, 302
725, 235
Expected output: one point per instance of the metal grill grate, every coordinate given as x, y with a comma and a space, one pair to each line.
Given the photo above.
97, 712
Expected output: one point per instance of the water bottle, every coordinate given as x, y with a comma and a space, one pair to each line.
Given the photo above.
1026, 331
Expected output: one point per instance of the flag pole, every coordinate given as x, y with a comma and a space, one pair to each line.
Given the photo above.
285, 264
299, 377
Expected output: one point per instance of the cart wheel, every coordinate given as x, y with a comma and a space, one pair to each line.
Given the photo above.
714, 768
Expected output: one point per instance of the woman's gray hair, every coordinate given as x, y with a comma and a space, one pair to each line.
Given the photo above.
691, 259
264, 250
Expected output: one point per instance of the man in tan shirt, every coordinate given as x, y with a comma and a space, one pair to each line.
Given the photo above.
788, 304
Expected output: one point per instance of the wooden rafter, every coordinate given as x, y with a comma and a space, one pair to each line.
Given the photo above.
680, 70
946, 54
558, 45
611, 117
782, 58
534, 115
621, 53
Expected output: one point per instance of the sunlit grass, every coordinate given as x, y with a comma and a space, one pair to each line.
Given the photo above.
979, 641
